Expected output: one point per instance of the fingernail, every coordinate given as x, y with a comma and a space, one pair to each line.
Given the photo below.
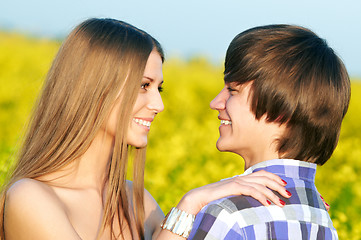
269, 203
282, 202
322, 197
284, 182
327, 204
288, 193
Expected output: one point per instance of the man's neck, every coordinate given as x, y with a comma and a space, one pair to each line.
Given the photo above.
250, 161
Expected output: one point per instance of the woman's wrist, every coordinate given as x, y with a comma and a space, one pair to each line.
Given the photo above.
178, 222
180, 219
190, 203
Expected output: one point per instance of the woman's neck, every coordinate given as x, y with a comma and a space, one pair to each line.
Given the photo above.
89, 171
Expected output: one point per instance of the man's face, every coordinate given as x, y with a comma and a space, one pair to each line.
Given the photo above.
240, 131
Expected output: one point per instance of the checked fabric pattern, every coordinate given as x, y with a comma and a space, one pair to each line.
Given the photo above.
241, 217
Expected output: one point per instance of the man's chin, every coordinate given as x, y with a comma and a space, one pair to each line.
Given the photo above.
221, 146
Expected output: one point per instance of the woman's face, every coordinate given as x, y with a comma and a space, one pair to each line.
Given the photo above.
148, 103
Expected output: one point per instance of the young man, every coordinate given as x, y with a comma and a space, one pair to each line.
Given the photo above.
286, 93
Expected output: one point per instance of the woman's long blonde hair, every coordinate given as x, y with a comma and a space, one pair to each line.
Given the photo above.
98, 58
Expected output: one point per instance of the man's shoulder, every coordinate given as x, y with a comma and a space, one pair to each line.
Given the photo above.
242, 217
245, 211
231, 204
224, 218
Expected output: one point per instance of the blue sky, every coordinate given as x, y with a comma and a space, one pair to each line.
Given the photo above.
199, 27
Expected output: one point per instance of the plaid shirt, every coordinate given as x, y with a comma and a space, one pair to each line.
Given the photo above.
241, 217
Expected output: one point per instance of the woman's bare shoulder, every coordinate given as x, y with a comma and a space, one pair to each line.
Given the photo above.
33, 211
28, 185
31, 193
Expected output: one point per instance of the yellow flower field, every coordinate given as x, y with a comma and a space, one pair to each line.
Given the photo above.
181, 153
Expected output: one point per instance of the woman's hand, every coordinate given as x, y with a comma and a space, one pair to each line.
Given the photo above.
325, 203
258, 185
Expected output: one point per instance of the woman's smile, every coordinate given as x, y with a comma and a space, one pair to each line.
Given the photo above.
143, 122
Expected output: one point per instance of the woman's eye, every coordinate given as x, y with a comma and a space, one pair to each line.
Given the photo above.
145, 86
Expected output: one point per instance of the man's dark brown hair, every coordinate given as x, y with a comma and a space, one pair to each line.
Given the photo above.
298, 81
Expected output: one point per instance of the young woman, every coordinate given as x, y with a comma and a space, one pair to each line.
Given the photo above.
96, 108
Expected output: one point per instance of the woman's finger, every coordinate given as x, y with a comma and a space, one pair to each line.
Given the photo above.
326, 204
269, 194
255, 190
266, 181
269, 175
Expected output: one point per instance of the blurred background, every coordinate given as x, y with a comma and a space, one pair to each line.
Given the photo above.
195, 35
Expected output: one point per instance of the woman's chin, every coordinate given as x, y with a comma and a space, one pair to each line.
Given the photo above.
140, 143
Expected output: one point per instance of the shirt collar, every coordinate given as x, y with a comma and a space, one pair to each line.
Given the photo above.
287, 168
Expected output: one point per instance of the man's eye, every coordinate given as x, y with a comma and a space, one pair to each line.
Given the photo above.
231, 89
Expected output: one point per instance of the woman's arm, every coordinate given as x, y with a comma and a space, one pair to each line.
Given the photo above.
153, 216
258, 185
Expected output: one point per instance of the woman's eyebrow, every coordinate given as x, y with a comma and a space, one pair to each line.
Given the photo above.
149, 78
152, 80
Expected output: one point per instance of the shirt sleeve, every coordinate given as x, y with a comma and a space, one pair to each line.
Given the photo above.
214, 222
